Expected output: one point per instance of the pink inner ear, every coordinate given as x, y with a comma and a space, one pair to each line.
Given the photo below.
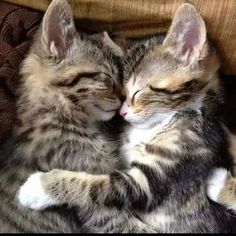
191, 37
58, 28
55, 35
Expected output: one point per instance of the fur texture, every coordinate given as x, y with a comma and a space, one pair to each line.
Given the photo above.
175, 137
70, 87
221, 186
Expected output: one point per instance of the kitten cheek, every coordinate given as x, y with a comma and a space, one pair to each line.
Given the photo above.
130, 116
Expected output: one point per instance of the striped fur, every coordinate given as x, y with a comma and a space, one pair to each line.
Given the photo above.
70, 86
176, 137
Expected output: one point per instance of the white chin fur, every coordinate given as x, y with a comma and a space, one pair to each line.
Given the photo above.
159, 119
216, 183
32, 194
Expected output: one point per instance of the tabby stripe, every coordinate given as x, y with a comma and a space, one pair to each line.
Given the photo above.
19, 140
157, 184
50, 126
69, 142
95, 190
115, 198
49, 156
73, 99
7, 220
10, 214
125, 191
164, 153
82, 90
74, 81
43, 111
102, 222
140, 191
27, 131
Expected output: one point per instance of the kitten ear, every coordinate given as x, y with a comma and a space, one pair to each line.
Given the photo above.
117, 50
58, 28
186, 38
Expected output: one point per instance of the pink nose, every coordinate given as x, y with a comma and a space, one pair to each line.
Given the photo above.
123, 113
124, 109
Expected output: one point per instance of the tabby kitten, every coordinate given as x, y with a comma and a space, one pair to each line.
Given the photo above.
222, 183
70, 83
175, 138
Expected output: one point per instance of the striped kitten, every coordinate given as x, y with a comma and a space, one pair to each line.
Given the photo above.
175, 138
70, 84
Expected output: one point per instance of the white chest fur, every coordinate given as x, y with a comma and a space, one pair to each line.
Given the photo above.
134, 137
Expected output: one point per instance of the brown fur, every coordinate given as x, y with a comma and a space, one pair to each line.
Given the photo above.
175, 138
70, 82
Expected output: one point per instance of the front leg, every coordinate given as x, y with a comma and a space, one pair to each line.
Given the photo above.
129, 189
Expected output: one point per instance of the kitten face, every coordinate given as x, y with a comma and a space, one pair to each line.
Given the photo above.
72, 69
170, 77
91, 82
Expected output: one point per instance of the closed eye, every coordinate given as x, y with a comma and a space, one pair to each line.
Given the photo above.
135, 95
190, 85
76, 79
162, 90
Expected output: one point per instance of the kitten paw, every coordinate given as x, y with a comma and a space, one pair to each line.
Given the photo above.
216, 183
32, 194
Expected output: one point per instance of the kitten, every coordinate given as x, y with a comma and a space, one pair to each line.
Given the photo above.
70, 85
175, 138
221, 186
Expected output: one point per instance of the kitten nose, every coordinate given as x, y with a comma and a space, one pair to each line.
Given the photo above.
123, 113
124, 109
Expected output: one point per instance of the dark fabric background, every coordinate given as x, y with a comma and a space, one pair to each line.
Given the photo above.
17, 26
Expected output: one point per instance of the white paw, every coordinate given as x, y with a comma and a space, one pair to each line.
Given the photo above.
216, 183
32, 194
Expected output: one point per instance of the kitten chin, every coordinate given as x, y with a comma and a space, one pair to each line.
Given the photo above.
159, 120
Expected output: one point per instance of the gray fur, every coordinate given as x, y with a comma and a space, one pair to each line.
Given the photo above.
70, 82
